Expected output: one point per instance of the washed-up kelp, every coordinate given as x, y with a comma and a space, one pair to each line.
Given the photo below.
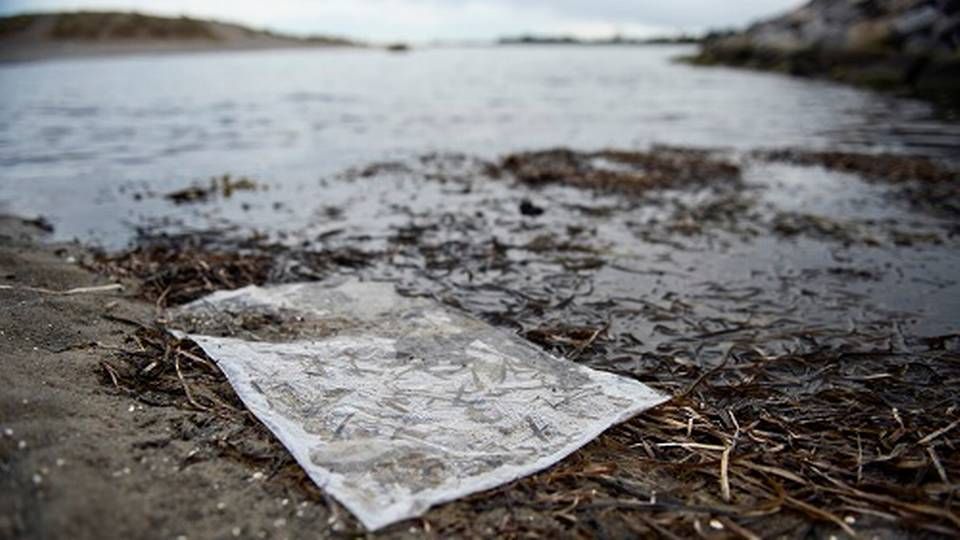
804, 405
393, 404
626, 172
179, 269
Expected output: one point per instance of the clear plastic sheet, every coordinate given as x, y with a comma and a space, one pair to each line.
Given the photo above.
394, 404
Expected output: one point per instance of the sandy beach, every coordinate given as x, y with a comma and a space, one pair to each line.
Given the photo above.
81, 459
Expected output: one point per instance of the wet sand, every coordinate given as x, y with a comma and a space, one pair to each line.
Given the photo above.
80, 460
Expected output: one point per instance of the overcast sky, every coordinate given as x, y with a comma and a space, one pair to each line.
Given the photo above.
424, 20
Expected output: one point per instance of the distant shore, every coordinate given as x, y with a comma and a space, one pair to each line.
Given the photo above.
78, 51
33, 37
616, 40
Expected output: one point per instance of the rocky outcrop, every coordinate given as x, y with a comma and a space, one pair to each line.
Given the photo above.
906, 45
918, 26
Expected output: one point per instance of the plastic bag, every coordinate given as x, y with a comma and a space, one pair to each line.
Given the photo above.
394, 404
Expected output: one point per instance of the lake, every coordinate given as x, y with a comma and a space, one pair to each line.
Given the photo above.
78, 137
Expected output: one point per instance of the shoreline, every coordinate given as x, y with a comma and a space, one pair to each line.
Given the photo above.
108, 404
906, 48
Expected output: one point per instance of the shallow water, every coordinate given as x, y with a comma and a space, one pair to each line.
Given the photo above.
592, 259
94, 145
78, 138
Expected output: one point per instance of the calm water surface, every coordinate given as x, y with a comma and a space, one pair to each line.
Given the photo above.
94, 145
73, 132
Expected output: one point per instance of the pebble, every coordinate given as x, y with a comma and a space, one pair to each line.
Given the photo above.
716, 524
8, 432
235, 531
527, 208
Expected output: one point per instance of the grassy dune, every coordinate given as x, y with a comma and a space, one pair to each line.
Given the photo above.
51, 35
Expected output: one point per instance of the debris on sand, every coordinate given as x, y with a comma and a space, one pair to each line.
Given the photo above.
171, 275
811, 396
179, 269
823, 441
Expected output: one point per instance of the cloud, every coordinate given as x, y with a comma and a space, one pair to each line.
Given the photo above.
447, 19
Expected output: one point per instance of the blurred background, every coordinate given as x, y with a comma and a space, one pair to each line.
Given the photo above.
100, 96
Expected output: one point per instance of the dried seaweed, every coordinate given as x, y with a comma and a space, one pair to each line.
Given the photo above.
626, 172
892, 168
793, 414
176, 270
160, 370
853, 441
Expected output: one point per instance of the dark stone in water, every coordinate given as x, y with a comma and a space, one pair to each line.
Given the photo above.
527, 208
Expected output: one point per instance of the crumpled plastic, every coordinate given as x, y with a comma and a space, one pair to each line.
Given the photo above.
394, 404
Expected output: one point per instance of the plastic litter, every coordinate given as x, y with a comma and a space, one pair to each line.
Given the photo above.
394, 404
